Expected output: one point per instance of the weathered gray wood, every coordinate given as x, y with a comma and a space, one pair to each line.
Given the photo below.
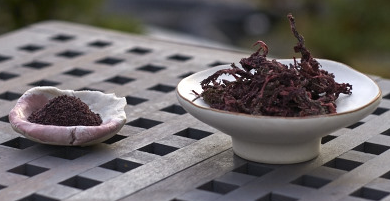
192, 169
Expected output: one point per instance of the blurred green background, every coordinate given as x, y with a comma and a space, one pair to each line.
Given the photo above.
354, 32
15, 14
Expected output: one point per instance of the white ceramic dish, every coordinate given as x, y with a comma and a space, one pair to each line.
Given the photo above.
283, 140
108, 106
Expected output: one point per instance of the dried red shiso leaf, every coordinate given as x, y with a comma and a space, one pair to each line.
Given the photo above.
269, 88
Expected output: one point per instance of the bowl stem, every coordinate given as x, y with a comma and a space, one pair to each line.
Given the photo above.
282, 153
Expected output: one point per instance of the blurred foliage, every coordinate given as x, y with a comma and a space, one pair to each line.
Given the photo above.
355, 32
15, 14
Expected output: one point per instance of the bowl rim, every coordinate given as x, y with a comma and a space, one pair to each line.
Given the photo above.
375, 99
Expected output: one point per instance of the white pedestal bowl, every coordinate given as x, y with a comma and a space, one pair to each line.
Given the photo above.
283, 140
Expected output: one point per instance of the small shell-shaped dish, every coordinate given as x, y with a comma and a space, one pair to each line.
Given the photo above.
108, 106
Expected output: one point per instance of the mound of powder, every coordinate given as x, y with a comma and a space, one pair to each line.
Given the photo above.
65, 111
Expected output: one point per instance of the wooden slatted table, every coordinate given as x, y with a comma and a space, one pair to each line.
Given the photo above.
162, 153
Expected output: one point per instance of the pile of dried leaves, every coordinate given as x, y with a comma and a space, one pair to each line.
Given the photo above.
269, 88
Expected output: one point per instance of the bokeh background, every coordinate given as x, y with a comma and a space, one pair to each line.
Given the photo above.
355, 32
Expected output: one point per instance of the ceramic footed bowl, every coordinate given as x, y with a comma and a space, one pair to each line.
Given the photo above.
108, 106
283, 140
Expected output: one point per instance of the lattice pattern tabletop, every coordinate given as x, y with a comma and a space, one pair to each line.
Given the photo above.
162, 153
